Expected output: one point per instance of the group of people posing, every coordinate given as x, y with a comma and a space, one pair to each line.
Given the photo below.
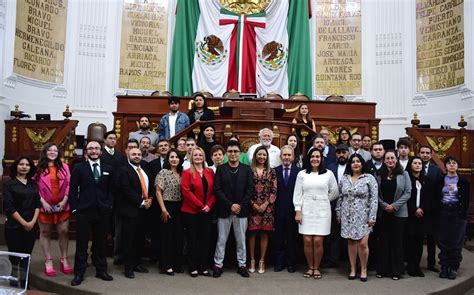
377, 199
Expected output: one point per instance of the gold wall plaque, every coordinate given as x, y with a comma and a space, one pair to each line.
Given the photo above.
40, 39
245, 6
143, 50
338, 47
40, 136
439, 44
440, 145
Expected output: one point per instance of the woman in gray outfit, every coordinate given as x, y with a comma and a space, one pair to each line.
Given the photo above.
394, 192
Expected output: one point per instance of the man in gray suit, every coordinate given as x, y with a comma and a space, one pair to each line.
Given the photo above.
356, 147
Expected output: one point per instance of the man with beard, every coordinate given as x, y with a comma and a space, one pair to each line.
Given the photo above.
434, 176
145, 131
145, 143
173, 122
356, 147
333, 241
320, 143
90, 197
265, 137
137, 193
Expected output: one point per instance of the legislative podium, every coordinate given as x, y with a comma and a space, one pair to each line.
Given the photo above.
252, 110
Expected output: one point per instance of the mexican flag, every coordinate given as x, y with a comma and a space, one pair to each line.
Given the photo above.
217, 50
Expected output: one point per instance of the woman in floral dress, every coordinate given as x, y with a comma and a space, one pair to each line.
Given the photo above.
356, 210
262, 215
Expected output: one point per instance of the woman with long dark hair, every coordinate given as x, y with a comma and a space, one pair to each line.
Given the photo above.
200, 111
21, 204
168, 195
344, 136
206, 141
453, 207
197, 185
356, 210
315, 188
394, 192
261, 219
293, 141
53, 179
420, 206
302, 116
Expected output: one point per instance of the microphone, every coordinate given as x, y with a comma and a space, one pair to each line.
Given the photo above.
128, 84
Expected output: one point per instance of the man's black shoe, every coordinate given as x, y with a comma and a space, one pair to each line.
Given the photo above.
452, 274
217, 272
104, 276
444, 273
129, 274
140, 269
291, 269
278, 268
242, 271
77, 280
433, 268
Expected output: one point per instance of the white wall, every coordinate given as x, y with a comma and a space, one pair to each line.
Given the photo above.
92, 62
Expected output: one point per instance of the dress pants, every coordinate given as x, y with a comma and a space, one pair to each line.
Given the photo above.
133, 233
430, 241
152, 219
415, 233
92, 220
451, 232
286, 233
118, 252
198, 232
20, 241
171, 233
332, 242
223, 227
390, 250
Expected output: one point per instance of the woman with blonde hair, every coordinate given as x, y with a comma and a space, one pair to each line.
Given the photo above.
197, 185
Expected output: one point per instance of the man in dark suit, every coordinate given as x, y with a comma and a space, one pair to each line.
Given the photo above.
136, 195
332, 243
328, 150
434, 176
90, 197
233, 187
286, 228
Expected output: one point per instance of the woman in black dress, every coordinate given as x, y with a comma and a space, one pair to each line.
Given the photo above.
206, 141
200, 111
21, 204
302, 116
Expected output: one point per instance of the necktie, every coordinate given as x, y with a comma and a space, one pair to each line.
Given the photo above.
285, 175
96, 172
142, 184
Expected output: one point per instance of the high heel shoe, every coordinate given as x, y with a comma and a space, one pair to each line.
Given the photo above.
65, 269
252, 266
261, 266
49, 271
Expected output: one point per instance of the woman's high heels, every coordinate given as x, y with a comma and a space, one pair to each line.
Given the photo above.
65, 269
252, 266
49, 271
261, 266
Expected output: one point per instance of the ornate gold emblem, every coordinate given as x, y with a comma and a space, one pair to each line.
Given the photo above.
40, 136
245, 6
333, 133
440, 145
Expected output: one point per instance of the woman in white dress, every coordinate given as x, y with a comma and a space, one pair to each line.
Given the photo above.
315, 188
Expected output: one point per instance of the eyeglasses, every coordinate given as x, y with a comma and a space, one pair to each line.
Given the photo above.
93, 148
233, 151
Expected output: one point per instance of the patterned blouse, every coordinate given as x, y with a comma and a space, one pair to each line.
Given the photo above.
170, 185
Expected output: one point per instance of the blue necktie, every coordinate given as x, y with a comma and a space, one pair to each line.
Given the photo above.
285, 176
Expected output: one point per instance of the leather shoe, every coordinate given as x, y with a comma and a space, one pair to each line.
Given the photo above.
433, 268
452, 274
217, 272
129, 274
242, 271
277, 268
104, 276
140, 269
77, 280
291, 269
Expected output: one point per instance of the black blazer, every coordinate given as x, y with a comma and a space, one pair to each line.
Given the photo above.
227, 194
85, 193
370, 168
207, 115
284, 201
130, 199
435, 175
155, 167
427, 199
463, 194
115, 161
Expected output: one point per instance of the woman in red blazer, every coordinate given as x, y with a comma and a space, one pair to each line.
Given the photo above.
197, 184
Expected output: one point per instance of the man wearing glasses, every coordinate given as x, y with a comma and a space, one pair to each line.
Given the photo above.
90, 197
233, 187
